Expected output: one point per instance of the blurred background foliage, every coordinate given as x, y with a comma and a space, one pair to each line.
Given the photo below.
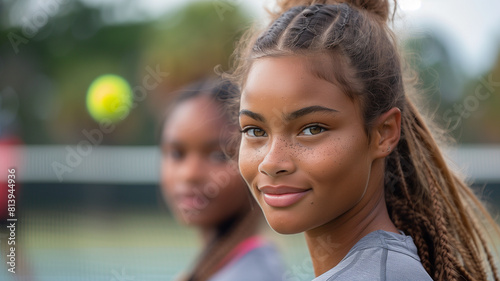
468, 108
50, 57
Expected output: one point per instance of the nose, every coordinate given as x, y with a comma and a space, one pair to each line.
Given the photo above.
278, 161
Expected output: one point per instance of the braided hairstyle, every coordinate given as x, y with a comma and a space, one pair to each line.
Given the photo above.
358, 53
240, 225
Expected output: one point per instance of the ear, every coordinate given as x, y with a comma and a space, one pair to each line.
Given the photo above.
386, 132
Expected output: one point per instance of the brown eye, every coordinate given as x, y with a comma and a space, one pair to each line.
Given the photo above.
175, 154
255, 132
313, 130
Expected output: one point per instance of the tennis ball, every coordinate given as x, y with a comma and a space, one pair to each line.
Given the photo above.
109, 97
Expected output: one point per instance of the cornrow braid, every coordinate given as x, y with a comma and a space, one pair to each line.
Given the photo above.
271, 36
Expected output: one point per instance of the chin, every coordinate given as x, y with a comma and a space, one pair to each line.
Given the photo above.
190, 219
286, 229
285, 226
196, 222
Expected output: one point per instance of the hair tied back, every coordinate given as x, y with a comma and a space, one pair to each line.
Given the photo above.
379, 8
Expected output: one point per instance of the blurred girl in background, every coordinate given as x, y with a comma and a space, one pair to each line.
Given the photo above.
204, 190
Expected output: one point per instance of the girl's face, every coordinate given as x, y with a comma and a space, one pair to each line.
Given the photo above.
200, 185
304, 151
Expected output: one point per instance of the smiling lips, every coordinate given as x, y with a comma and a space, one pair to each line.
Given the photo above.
282, 196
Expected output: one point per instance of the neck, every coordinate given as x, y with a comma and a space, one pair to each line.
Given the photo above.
330, 243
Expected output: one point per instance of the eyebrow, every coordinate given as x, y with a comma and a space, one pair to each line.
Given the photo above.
289, 117
252, 115
308, 110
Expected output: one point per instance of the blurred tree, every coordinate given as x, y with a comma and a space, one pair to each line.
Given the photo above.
439, 77
479, 109
469, 109
189, 43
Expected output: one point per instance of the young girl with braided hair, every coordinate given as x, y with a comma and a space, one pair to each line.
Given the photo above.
332, 145
204, 189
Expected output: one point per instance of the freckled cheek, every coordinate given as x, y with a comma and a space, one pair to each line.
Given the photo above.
328, 161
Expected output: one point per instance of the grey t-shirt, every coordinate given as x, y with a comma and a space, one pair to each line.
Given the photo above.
380, 255
260, 264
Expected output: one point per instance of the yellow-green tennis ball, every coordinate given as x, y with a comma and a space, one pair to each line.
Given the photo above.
109, 98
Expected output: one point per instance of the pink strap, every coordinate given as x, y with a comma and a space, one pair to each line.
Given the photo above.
243, 248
